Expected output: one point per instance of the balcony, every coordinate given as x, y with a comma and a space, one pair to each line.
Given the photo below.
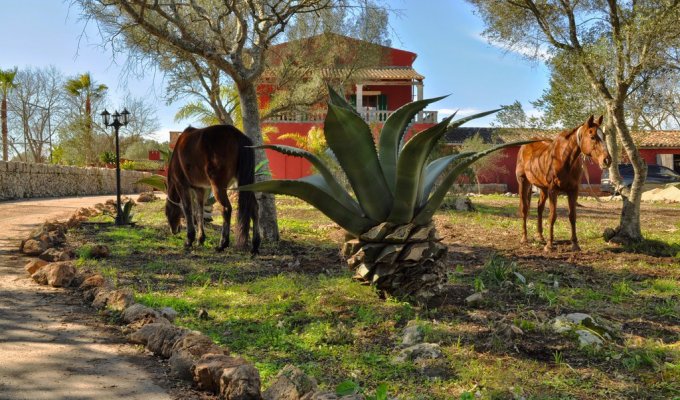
370, 116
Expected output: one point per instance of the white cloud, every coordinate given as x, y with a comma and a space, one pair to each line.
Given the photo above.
461, 112
542, 53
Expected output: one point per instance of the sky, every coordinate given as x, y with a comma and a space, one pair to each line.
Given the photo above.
447, 36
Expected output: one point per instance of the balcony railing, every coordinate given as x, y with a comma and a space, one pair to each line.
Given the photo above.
368, 116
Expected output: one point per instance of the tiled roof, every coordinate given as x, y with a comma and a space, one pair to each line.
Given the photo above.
643, 139
657, 138
377, 73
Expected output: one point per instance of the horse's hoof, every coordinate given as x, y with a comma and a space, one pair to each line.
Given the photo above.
575, 247
524, 241
219, 249
548, 248
540, 239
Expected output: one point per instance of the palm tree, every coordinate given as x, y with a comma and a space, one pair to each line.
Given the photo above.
6, 85
85, 89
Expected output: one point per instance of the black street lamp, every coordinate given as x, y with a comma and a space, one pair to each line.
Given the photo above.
118, 121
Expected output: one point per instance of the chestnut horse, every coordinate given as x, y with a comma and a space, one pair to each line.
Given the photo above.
211, 158
555, 166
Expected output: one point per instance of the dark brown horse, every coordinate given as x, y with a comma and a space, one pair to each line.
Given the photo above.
212, 158
556, 166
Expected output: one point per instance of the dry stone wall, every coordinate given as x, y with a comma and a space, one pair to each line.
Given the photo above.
27, 180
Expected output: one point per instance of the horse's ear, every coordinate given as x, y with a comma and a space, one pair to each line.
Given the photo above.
590, 120
599, 120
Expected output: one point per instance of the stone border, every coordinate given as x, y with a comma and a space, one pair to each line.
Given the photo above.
192, 355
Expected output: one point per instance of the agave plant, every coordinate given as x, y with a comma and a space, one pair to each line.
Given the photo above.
392, 242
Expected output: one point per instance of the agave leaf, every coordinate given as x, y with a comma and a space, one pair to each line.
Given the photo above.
334, 187
455, 124
339, 101
307, 189
392, 133
410, 169
158, 182
352, 143
434, 169
425, 214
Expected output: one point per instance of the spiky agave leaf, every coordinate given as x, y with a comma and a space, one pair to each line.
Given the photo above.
314, 190
350, 139
434, 170
339, 101
409, 171
391, 135
333, 185
432, 203
158, 182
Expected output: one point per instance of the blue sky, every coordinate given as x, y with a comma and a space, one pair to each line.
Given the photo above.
445, 34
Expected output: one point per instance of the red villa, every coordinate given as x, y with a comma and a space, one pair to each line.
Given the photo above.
377, 92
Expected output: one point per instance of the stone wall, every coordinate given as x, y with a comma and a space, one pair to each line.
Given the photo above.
27, 180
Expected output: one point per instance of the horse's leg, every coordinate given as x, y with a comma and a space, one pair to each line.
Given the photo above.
524, 204
187, 201
222, 198
543, 196
552, 197
573, 197
200, 202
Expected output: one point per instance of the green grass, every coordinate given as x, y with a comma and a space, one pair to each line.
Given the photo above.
297, 304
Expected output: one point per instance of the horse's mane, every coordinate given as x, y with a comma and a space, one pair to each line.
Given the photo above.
190, 129
567, 133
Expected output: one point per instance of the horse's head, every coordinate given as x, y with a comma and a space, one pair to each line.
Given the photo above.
590, 138
173, 212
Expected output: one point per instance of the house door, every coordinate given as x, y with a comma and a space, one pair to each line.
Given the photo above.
665, 160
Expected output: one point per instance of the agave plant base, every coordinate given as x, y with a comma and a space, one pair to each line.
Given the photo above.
404, 261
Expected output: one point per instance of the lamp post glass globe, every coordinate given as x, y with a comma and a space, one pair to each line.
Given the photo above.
118, 121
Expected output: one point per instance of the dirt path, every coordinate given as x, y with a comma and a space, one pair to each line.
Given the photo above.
53, 347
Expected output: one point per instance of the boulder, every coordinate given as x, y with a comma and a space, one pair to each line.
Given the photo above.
52, 255
121, 299
92, 281
188, 350
158, 337
33, 247
413, 334
59, 274
421, 351
137, 312
474, 299
208, 371
100, 251
588, 338
168, 313
146, 197
290, 384
101, 297
240, 382
34, 265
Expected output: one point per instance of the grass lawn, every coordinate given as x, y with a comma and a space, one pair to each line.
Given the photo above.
297, 304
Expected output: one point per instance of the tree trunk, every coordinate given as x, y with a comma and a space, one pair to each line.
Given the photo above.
269, 228
629, 226
3, 117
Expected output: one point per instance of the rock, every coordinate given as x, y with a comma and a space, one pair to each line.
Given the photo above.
52, 255
510, 330
158, 337
588, 338
32, 247
188, 350
464, 204
207, 372
240, 382
59, 274
101, 297
34, 265
419, 352
474, 299
168, 313
121, 299
290, 384
413, 334
100, 251
137, 312
92, 281
146, 197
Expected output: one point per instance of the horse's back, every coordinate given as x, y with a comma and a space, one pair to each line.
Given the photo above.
533, 162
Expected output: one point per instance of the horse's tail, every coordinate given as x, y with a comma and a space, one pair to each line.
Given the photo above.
247, 204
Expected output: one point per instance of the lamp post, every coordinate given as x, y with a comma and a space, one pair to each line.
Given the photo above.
118, 121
